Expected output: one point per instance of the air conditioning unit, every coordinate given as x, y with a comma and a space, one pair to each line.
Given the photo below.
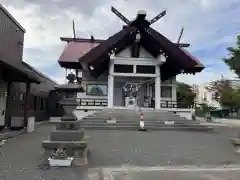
130, 102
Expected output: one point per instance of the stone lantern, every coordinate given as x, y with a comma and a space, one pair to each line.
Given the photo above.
68, 135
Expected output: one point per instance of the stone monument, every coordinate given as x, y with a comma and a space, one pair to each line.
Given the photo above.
68, 135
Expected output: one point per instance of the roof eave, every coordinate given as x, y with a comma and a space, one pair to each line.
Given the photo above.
12, 18
67, 39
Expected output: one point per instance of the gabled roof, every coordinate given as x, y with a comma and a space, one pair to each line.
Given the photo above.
178, 60
17, 73
11, 17
38, 73
73, 51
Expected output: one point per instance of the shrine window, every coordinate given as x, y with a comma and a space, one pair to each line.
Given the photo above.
120, 68
144, 69
97, 89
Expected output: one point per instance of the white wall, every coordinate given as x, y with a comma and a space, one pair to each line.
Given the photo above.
127, 53
118, 93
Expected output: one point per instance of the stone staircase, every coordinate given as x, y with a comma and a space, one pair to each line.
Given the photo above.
119, 119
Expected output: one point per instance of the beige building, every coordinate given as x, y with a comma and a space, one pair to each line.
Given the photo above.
207, 97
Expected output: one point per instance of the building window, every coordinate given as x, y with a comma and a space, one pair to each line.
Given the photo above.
119, 68
97, 89
166, 91
143, 69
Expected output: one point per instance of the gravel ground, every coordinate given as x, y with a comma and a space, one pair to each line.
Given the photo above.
163, 148
22, 159
22, 154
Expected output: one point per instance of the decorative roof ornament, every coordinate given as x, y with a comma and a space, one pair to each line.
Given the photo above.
71, 78
138, 37
141, 14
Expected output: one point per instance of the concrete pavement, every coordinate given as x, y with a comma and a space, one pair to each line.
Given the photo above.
166, 173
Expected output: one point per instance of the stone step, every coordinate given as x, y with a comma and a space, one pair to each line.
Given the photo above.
135, 118
134, 110
68, 118
65, 135
64, 144
200, 128
136, 114
129, 121
138, 124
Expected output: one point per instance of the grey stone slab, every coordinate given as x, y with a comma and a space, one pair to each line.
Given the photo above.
73, 149
67, 125
65, 135
69, 118
54, 145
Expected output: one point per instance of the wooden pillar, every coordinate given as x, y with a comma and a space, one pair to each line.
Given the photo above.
110, 85
26, 104
8, 106
157, 88
110, 91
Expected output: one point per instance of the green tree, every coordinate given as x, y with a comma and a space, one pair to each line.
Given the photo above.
233, 59
233, 62
236, 97
185, 94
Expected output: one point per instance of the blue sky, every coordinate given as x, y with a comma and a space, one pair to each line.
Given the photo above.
210, 27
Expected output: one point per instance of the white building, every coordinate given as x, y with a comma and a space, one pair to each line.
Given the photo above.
208, 97
204, 96
135, 67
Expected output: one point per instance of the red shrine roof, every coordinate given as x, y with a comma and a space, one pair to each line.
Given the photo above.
73, 51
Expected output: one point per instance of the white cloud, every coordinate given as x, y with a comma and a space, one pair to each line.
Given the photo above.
47, 20
204, 76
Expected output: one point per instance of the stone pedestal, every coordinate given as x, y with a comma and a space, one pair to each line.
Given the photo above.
68, 134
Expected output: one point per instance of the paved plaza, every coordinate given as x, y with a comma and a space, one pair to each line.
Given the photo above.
22, 155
